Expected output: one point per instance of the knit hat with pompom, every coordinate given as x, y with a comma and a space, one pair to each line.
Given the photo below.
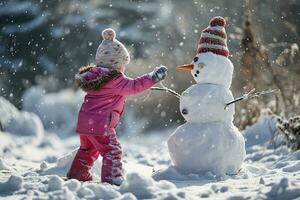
213, 38
111, 53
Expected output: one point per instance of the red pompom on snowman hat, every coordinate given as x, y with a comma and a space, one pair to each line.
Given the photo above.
213, 38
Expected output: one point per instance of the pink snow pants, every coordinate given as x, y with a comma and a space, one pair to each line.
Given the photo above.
108, 146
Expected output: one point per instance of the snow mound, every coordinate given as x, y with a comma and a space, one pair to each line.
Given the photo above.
26, 124
283, 190
63, 164
127, 196
55, 183
58, 111
14, 183
18, 122
67, 194
7, 111
171, 173
62, 194
261, 132
145, 187
31, 98
103, 191
292, 168
3, 165
142, 187
84, 192
72, 184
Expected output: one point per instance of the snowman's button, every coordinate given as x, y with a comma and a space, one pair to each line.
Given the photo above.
195, 75
197, 72
184, 111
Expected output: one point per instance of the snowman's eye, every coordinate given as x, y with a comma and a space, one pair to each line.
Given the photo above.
196, 59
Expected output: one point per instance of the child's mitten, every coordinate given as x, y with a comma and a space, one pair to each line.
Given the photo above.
159, 73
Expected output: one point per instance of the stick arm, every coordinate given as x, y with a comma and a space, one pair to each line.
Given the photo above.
250, 94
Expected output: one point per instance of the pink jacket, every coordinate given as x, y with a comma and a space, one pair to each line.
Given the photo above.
101, 109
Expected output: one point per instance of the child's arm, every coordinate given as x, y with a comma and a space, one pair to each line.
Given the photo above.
127, 86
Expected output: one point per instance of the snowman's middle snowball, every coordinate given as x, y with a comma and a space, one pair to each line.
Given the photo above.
202, 103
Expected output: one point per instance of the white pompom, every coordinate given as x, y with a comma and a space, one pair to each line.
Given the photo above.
108, 34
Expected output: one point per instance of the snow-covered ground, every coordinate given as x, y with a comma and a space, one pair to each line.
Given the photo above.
37, 148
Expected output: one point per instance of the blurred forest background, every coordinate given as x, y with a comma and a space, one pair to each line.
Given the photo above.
44, 43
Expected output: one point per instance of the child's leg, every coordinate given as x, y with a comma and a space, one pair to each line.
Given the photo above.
112, 160
85, 157
111, 151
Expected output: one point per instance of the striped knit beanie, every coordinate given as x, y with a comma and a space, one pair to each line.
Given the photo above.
213, 38
111, 53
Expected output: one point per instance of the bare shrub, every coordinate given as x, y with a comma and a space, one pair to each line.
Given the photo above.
290, 129
261, 67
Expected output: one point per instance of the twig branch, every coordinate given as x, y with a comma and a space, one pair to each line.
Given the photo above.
250, 94
165, 89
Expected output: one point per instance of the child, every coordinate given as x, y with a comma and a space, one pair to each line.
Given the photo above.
107, 88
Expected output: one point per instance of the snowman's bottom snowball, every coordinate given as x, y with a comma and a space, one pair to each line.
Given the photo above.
202, 147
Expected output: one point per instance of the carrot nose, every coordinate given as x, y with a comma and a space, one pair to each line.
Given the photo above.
185, 67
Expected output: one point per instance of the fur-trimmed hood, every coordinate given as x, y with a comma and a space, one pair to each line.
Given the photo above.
93, 77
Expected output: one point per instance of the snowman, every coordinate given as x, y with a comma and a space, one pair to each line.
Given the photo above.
208, 141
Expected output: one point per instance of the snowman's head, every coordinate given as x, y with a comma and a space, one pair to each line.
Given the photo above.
211, 64
210, 68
